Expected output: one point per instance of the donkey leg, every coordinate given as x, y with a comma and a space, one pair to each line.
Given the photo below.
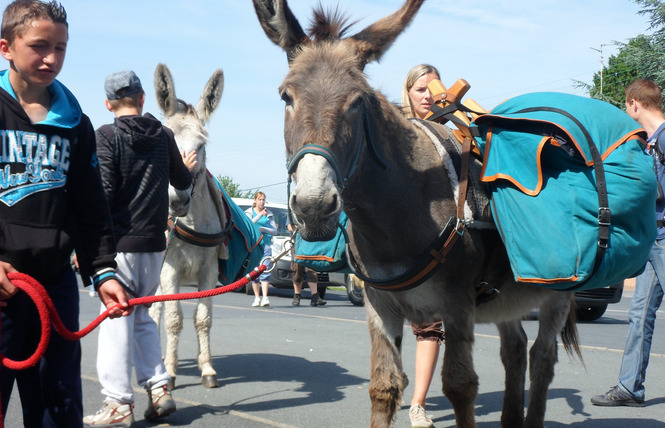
202, 323
543, 356
173, 325
459, 378
156, 309
155, 312
513, 356
387, 379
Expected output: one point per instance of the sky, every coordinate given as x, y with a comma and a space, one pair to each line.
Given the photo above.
503, 48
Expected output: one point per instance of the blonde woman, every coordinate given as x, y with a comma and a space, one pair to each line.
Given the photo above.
416, 103
262, 217
416, 98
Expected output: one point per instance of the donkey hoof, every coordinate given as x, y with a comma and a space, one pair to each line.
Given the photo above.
209, 381
172, 384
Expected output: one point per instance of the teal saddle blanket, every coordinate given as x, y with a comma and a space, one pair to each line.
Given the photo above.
245, 251
572, 190
324, 256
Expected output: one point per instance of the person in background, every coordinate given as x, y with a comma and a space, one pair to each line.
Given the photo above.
416, 103
416, 97
300, 274
643, 103
263, 217
51, 203
138, 158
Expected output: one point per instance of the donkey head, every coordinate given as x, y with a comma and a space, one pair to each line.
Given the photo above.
327, 104
186, 122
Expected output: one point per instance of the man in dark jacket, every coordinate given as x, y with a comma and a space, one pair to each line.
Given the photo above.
138, 157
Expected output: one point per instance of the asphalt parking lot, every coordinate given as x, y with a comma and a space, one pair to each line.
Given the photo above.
286, 366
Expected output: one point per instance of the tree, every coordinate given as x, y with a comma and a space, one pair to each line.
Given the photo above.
640, 58
233, 189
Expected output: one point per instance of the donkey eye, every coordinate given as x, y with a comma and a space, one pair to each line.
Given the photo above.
286, 98
356, 105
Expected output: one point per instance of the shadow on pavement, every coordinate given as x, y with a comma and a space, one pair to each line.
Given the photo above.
310, 382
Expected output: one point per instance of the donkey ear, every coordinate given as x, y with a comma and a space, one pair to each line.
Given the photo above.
165, 90
372, 42
280, 25
211, 96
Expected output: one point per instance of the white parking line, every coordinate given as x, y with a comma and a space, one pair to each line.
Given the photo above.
193, 403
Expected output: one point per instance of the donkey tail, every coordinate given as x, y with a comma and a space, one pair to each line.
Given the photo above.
569, 335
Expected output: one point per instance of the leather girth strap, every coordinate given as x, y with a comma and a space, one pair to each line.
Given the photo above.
193, 237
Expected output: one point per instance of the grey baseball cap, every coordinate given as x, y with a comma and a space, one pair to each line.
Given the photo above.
122, 84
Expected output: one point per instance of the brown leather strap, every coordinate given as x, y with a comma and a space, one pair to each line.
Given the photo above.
464, 177
418, 275
461, 199
195, 238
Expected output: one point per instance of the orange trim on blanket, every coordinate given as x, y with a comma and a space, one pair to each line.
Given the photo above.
500, 176
248, 245
547, 281
632, 135
316, 258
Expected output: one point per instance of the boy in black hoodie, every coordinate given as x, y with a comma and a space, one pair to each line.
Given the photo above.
51, 203
138, 157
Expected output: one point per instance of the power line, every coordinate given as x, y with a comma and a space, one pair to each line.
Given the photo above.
503, 95
263, 187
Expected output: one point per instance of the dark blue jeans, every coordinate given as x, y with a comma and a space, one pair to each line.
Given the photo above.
51, 391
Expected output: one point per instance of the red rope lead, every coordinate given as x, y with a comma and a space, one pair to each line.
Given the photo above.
48, 314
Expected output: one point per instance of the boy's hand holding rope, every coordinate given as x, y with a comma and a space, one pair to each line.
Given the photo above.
48, 314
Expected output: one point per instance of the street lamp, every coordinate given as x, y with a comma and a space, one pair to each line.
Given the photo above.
601, 67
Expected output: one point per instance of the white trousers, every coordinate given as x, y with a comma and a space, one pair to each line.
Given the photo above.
132, 341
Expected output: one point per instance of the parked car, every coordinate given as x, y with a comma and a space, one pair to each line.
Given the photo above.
591, 304
282, 275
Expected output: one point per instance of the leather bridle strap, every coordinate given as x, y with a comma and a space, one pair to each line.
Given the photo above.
316, 149
342, 178
439, 249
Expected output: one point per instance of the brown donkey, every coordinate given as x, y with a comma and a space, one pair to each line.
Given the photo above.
351, 149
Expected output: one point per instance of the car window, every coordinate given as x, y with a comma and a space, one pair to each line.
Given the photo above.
279, 214
281, 220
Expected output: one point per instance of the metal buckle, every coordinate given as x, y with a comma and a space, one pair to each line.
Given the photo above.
604, 216
460, 226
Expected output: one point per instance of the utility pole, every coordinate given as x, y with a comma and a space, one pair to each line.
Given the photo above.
601, 67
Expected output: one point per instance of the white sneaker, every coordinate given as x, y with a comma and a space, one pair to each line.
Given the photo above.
160, 403
419, 418
265, 301
257, 302
112, 414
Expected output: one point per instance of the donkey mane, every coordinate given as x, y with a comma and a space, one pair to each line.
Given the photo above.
329, 25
